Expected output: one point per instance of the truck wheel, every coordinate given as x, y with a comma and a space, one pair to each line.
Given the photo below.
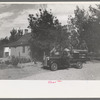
79, 65
54, 66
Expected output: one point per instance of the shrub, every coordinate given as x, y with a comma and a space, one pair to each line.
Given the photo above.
24, 60
7, 62
16, 60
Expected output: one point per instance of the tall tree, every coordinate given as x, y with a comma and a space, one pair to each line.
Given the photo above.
4, 41
73, 33
15, 34
19, 34
45, 31
82, 21
88, 25
94, 28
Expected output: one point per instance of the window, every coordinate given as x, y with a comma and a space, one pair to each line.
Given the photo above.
23, 49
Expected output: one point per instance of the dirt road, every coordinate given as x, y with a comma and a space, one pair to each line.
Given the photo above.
90, 71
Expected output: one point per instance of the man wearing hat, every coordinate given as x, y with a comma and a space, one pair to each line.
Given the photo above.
66, 57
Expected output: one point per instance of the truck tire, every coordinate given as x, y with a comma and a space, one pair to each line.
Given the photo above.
54, 67
79, 65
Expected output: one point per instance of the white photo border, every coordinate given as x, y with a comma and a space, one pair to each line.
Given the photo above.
41, 88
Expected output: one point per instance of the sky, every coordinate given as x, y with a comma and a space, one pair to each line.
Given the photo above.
16, 15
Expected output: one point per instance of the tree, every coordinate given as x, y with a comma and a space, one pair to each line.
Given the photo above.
94, 28
83, 21
73, 33
45, 32
80, 21
15, 35
88, 26
19, 34
4, 41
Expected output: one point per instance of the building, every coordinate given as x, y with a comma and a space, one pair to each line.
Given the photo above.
19, 48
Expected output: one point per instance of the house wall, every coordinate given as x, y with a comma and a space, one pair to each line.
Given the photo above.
7, 50
18, 51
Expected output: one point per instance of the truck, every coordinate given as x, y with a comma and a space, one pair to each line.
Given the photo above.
59, 61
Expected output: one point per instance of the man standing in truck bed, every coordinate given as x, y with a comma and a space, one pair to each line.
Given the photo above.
66, 57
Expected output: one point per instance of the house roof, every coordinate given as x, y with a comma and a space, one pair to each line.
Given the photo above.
24, 40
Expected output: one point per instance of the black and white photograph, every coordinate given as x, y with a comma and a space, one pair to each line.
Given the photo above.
50, 41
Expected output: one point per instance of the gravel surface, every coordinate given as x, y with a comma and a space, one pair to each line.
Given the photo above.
12, 73
90, 71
